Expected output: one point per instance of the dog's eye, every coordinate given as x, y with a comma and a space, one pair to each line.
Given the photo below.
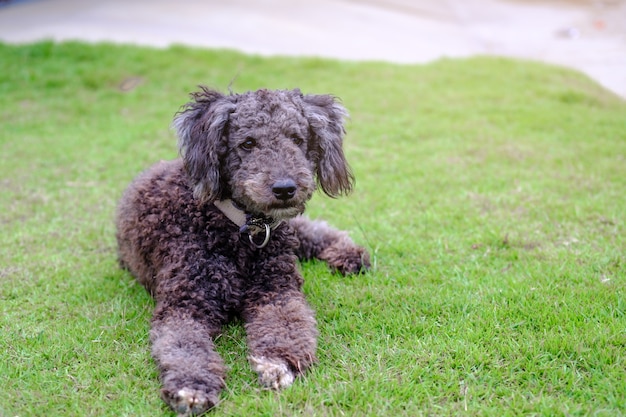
248, 144
297, 140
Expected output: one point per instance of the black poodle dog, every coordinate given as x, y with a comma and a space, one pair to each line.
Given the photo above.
217, 234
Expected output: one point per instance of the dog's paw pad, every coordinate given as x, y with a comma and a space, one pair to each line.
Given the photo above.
190, 402
273, 373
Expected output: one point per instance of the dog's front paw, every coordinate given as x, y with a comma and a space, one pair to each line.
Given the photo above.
273, 373
189, 402
347, 258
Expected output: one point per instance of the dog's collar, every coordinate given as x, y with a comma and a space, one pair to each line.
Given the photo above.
248, 223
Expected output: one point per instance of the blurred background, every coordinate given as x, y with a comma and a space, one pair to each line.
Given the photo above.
588, 35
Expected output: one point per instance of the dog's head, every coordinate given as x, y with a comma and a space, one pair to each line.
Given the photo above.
265, 150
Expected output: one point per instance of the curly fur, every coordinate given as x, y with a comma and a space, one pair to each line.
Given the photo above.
267, 151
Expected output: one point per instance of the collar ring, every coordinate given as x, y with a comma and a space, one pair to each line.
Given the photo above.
267, 237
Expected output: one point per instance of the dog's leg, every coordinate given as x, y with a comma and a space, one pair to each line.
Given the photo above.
282, 338
189, 313
192, 373
281, 328
319, 240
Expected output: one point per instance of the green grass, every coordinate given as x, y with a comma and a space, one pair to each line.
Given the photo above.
490, 192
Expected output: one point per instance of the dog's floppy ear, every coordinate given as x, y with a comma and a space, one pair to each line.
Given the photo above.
325, 116
200, 127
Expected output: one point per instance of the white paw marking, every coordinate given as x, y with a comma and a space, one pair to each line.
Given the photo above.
273, 373
190, 401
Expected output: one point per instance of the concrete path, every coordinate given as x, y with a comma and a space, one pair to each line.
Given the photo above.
589, 35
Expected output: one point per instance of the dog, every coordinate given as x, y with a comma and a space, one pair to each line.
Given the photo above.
217, 233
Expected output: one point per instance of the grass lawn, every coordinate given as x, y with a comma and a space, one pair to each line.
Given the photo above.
490, 192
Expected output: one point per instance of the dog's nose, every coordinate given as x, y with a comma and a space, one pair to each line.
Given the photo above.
284, 189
